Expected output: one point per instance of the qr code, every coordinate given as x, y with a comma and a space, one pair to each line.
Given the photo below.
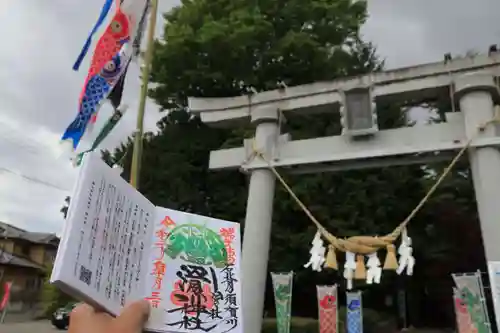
85, 275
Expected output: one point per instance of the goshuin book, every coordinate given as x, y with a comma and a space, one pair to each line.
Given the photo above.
117, 247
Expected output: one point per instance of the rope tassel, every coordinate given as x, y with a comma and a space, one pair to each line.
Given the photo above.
331, 258
391, 262
360, 273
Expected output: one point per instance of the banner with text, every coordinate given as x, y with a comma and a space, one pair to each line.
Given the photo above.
282, 286
354, 312
470, 289
327, 307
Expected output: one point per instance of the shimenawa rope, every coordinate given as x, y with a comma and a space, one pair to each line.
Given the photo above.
369, 244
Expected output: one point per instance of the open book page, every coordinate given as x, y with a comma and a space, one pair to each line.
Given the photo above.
194, 276
103, 254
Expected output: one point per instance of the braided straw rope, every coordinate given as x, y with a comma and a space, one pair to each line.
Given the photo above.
370, 244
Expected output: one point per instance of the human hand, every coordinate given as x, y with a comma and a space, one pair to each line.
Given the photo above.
86, 319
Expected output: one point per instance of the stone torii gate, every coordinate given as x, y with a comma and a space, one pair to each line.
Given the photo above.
473, 82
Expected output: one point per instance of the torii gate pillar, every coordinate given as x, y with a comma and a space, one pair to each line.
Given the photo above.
257, 231
476, 93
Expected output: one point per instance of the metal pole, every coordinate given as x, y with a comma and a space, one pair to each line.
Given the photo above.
4, 312
137, 152
483, 299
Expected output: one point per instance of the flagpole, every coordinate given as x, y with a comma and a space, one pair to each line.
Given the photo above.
137, 152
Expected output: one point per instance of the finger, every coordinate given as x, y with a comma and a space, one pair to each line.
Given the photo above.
81, 314
102, 316
100, 310
82, 310
133, 317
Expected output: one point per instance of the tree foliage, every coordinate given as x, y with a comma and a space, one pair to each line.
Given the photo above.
225, 48
52, 297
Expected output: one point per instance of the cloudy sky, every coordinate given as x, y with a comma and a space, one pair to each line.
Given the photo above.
39, 90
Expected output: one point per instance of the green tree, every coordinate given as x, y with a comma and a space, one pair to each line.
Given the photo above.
226, 48
52, 297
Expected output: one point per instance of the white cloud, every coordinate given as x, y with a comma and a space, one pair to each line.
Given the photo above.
39, 91
409, 32
33, 182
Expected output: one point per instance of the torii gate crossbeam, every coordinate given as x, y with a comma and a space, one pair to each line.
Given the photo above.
474, 82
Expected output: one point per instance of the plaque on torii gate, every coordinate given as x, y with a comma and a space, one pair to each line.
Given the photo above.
474, 86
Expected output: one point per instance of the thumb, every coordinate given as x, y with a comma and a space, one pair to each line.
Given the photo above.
133, 317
